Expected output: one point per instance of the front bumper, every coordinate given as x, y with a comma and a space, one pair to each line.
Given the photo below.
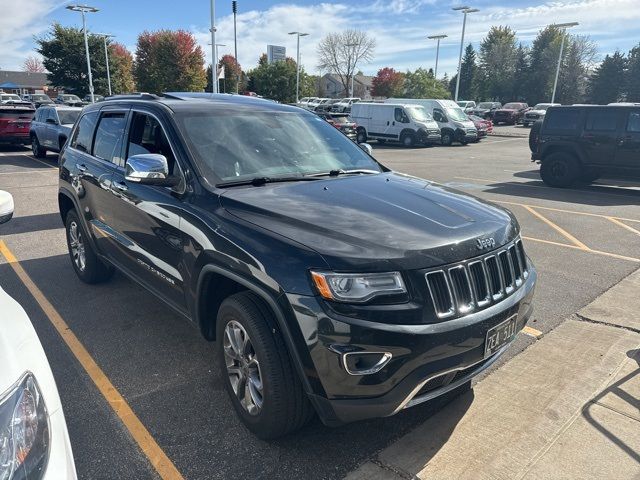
428, 360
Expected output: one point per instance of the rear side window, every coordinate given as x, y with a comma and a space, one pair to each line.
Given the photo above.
84, 133
108, 142
633, 123
561, 120
601, 120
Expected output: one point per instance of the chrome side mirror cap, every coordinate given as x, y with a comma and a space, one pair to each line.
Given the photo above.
367, 148
6, 206
148, 169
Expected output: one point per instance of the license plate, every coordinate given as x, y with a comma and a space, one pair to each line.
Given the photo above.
500, 335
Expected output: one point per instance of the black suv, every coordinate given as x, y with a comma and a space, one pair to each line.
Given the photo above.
331, 284
584, 143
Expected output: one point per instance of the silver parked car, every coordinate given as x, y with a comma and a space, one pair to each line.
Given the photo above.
536, 113
51, 127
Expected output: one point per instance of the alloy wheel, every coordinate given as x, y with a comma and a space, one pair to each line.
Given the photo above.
243, 367
76, 242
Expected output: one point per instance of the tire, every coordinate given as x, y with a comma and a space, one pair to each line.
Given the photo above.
271, 402
38, 150
361, 136
89, 268
559, 169
446, 138
408, 140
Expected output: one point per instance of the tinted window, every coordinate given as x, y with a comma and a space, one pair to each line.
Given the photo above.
400, 116
633, 124
84, 133
68, 117
52, 114
601, 120
146, 136
109, 137
562, 119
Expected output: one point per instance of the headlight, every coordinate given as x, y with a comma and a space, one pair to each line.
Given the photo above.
355, 287
24, 431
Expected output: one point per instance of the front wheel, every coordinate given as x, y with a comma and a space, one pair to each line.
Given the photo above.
85, 261
447, 138
258, 374
361, 136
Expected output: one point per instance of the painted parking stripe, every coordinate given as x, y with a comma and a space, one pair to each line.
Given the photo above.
557, 228
589, 214
623, 225
156, 456
588, 250
532, 332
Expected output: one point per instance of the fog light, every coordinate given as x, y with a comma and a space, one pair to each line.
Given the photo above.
358, 362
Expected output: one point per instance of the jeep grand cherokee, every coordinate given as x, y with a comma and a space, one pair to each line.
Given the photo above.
330, 283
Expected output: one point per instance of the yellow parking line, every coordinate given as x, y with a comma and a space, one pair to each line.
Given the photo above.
158, 459
540, 207
618, 222
557, 228
532, 332
588, 250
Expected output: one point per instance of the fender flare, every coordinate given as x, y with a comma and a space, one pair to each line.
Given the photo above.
272, 302
76, 206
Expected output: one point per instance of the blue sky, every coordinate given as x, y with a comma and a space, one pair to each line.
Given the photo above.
400, 27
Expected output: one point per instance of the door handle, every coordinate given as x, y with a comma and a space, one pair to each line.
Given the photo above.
393, 123
120, 186
387, 122
81, 167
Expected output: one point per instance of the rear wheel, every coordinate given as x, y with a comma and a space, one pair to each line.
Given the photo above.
559, 169
88, 267
38, 150
258, 374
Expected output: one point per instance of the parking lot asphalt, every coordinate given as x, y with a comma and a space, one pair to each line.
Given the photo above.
583, 240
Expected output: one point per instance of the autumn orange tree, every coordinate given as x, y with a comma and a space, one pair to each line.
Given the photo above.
388, 83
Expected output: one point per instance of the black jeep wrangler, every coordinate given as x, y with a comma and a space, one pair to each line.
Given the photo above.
586, 142
331, 284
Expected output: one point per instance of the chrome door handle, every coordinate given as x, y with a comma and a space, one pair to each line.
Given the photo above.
120, 186
81, 167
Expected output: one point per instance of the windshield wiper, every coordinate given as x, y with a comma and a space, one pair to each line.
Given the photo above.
335, 173
257, 181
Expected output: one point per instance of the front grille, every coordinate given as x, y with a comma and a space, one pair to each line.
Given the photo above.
468, 286
532, 116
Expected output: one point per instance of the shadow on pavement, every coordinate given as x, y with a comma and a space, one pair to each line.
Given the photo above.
32, 223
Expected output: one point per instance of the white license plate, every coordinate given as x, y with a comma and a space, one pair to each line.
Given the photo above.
500, 335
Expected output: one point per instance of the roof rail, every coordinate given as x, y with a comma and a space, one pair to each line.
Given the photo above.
134, 95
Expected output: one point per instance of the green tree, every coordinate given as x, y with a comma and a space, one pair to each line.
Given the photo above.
277, 80
169, 61
544, 59
632, 83
232, 72
121, 69
520, 74
468, 70
63, 52
497, 61
574, 71
606, 85
421, 84
388, 83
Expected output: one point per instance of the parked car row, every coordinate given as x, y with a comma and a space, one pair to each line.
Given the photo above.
337, 105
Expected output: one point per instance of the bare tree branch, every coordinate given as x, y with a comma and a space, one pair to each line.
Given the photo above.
340, 53
33, 65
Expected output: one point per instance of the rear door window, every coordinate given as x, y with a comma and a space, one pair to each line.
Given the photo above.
83, 136
633, 122
108, 141
601, 120
562, 120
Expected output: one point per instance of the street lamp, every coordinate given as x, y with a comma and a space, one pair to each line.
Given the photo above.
106, 56
85, 9
234, 8
298, 34
563, 26
438, 38
464, 10
214, 73
353, 73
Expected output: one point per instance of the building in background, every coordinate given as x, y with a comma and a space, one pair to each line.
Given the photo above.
331, 86
25, 82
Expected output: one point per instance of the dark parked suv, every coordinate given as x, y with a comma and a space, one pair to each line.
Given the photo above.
584, 143
331, 283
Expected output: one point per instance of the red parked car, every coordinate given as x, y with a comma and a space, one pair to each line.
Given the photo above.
342, 122
511, 113
15, 121
483, 126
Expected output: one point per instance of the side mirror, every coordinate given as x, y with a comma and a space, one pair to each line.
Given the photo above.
6, 206
367, 148
149, 169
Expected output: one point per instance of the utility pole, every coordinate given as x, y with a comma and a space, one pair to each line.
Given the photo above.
214, 56
298, 34
234, 7
564, 27
464, 10
106, 57
438, 38
85, 9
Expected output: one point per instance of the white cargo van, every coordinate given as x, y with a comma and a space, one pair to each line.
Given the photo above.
454, 124
400, 122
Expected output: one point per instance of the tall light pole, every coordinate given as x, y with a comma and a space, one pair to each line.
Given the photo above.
85, 9
353, 74
562, 26
464, 10
438, 38
298, 34
106, 56
234, 8
214, 56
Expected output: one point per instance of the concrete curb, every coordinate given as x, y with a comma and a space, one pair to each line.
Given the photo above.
577, 386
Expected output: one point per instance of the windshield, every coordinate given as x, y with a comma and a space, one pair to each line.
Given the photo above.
513, 106
11, 97
457, 114
71, 98
487, 105
39, 97
541, 106
419, 114
68, 116
244, 145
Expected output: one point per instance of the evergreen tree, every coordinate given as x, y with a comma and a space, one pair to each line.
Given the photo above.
606, 85
632, 83
544, 60
521, 74
467, 75
277, 80
572, 82
497, 63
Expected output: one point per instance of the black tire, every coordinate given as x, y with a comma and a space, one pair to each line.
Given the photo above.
92, 269
38, 150
408, 139
361, 135
559, 169
446, 138
284, 406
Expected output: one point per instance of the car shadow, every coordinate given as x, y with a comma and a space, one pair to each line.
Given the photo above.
172, 379
22, 157
32, 223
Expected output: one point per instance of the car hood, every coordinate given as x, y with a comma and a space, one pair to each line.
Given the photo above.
375, 222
